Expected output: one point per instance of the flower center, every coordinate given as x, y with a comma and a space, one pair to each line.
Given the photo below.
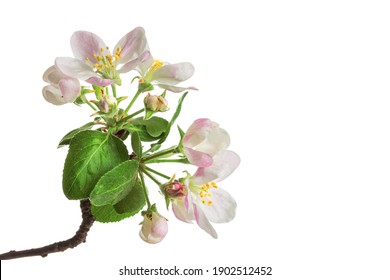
204, 193
105, 62
157, 64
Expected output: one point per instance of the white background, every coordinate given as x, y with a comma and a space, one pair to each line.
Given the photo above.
301, 86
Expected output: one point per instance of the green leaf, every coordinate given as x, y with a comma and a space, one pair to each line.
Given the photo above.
151, 129
115, 184
133, 202
91, 154
107, 214
136, 145
174, 117
68, 137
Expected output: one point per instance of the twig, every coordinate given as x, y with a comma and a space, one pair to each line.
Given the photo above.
77, 239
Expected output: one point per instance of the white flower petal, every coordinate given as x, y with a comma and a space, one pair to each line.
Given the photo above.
198, 158
132, 45
133, 64
75, 68
223, 209
146, 63
203, 222
223, 165
175, 89
154, 228
85, 44
207, 137
52, 75
53, 95
181, 212
171, 74
70, 89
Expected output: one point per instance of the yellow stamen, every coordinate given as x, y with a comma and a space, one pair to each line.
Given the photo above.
156, 65
205, 194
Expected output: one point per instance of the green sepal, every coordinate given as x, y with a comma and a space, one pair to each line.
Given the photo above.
91, 154
115, 184
98, 91
148, 114
133, 202
144, 86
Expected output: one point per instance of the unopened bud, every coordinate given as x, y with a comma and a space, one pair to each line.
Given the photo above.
107, 104
154, 227
174, 189
156, 103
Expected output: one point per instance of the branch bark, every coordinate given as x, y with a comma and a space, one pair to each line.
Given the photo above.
77, 239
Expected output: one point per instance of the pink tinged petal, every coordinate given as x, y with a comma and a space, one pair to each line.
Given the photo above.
132, 45
133, 64
172, 74
99, 81
206, 137
75, 68
85, 44
145, 64
180, 211
224, 164
198, 131
175, 88
53, 95
203, 222
154, 228
70, 89
216, 140
52, 75
223, 209
198, 158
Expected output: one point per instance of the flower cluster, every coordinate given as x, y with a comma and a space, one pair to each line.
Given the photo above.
99, 166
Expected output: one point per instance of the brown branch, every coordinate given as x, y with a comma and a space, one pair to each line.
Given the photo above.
77, 239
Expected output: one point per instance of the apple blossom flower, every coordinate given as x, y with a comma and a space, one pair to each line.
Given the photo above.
204, 201
61, 89
154, 227
93, 61
203, 140
164, 75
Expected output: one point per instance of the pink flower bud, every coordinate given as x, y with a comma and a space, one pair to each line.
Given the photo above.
174, 189
154, 228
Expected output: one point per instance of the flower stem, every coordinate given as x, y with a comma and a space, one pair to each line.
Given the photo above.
132, 101
152, 177
161, 153
144, 189
90, 105
132, 115
113, 87
156, 172
181, 160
